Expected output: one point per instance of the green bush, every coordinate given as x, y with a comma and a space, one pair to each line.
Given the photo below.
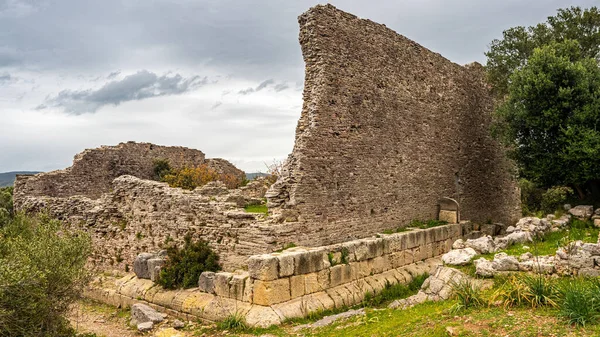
42, 272
161, 169
531, 197
6, 204
184, 266
554, 197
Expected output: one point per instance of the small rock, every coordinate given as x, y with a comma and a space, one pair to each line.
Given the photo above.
459, 257
582, 212
484, 268
483, 245
458, 244
451, 331
177, 324
141, 313
145, 327
566, 207
504, 262
140, 265
526, 256
526, 248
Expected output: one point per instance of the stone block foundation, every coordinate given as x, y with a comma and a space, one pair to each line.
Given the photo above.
295, 282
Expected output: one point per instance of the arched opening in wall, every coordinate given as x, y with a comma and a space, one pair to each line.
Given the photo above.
448, 210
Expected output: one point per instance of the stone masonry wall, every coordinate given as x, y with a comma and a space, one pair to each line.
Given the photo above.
388, 127
297, 281
93, 170
144, 216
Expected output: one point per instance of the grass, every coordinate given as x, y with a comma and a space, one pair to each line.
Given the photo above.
257, 209
393, 292
416, 224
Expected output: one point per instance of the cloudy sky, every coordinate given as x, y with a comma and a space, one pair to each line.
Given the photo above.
221, 76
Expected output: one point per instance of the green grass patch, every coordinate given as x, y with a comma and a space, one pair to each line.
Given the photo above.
393, 292
257, 209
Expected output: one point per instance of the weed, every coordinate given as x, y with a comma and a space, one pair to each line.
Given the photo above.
579, 303
344, 257
233, 322
139, 235
467, 294
286, 246
427, 224
331, 259
392, 292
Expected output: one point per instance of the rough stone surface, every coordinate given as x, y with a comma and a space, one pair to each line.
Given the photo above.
145, 326
482, 245
373, 96
140, 265
484, 267
142, 313
93, 170
583, 212
504, 262
459, 257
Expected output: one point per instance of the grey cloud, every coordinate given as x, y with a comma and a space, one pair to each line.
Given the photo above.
264, 84
113, 75
5, 78
280, 87
217, 104
246, 91
139, 86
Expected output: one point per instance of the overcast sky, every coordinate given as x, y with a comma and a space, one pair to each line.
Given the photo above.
222, 76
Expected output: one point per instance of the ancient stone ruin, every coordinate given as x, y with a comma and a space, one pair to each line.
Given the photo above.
390, 132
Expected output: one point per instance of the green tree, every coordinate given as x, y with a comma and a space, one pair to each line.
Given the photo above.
550, 118
517, 45
42, 272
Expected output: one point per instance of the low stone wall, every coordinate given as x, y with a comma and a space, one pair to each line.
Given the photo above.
297, 281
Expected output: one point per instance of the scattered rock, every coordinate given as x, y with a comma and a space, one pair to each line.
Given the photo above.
141, 313
483, 245
458, 244
145, 326
582, 212
177, 324
484, 267
459, 257
504, 262
566, 207
526, 256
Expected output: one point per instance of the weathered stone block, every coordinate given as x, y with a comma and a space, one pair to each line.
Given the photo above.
448, 216
271, 292
362, 268
380, 264
140, 265
222, 283
341, 274
396, 259
409, 256
263, 267
155, 266
309, 262
237, 285
315, 282
206, 282
297, 286
286, 264
396, 242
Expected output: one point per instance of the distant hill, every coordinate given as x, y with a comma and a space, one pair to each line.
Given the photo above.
251, 176
8, 178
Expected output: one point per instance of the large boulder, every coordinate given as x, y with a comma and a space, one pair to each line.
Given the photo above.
582, 212
459, 257
154, 266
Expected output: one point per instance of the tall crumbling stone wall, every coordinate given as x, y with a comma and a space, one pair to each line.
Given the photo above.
388, 127
93, 170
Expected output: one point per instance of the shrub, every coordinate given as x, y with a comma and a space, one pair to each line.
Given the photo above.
427, 224
274, 171
184, 266
468, 295
554, 197
526, 290
531, 197
579, 304
161, 168
191, 177
42, 272
6, 204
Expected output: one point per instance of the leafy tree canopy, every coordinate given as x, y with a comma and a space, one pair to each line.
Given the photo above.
517, 45
550, 118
